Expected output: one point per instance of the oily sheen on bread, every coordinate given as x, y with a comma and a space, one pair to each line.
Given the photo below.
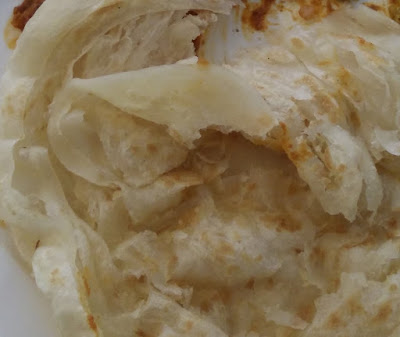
156, 188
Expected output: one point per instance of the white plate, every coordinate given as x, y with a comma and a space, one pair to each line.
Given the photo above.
23, 310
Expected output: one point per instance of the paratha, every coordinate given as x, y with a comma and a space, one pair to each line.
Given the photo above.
207, 167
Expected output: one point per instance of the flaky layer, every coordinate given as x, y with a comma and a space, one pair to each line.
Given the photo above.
252, 193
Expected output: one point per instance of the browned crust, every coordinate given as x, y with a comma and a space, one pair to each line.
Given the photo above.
254, 14
24, 12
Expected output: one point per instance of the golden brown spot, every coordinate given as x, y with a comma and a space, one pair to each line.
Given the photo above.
283, 127
336, 283
355, 307
81, 291
339, 228
37, 245
315, 9
250, 284
341, 168
152, 148
181, 176
225, 249
226, 295
318, 254
336, 262
269, 283
369, 240
293, 189
355, 119
393, 287
188, 217
301, 154
344, 77
173, 262
392, 223
205, 306
298, 251
197, 43
141, 333
189, 325
259, 14
297, 43
55, 277
135, 149
205, 238
86, 284
288, 225
192, 12
142, 279
307, 12
363, 43
375, 7
203, 62
232, 270
251, 187
11, 35
390, 235
334, 321
327, 106
394, 10
236, 12
324, 63
255, 14
383, 313
92, 323
265, 121
328, 161
3, 224
306, 312
24, 12
176, 136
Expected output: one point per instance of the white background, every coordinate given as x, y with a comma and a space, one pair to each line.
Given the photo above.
24, 312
